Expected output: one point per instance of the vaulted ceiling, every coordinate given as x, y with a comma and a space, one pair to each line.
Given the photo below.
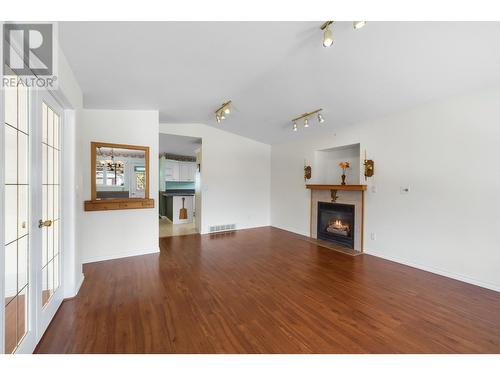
274, 71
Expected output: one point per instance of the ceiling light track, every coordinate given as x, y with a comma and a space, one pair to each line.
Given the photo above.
306, 116
328, 34
223, 111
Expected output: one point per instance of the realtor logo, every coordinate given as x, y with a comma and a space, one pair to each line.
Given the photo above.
29, 55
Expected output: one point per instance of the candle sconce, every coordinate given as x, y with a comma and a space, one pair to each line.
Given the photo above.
307, 172
369, 167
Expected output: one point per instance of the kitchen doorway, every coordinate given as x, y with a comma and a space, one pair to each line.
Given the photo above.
180, 166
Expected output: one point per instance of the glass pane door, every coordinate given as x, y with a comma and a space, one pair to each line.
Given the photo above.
49, 293
17, 280
50, 221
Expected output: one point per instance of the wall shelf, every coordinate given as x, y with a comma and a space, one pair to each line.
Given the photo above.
338, 187
118, 204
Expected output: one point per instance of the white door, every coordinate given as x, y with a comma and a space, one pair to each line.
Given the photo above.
47, 208
20, 281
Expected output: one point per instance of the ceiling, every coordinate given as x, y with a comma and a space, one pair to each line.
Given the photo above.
274, 71
179, 145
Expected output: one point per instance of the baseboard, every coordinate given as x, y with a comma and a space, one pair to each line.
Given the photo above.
292, 231
127, 254
436, 271
79, 285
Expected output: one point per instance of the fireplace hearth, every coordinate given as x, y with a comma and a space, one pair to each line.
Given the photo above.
336, 223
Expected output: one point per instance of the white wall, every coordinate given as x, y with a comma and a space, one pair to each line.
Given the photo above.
113, 234
447, 153
235, 177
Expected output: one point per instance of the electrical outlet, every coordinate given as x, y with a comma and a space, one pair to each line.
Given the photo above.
373, 236
404, 189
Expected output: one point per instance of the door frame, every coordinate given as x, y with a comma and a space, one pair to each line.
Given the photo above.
2, 211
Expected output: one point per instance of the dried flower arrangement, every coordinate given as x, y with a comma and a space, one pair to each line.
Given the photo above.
344, 165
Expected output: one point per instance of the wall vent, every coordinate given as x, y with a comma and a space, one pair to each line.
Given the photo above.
221, 228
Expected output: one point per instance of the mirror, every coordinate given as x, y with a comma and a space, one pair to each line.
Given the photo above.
120, 174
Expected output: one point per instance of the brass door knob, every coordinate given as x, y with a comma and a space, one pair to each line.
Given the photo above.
46, 223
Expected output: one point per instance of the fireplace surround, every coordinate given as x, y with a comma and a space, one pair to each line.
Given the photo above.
336, 223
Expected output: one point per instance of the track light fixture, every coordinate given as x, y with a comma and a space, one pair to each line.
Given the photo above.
358, 24
306, 117
328, 34
222, 111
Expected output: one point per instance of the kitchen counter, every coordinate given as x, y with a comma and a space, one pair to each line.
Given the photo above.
179, 192
171, 201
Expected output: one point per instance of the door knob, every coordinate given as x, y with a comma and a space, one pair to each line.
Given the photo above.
46, 223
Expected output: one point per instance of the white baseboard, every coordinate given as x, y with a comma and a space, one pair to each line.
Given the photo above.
126, 254
79, 284
437, 271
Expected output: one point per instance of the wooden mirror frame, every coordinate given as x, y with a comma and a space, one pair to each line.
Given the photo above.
95, 204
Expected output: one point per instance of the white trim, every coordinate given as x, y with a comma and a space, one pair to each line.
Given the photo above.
79, 284
2, 213
126, 254
436, 271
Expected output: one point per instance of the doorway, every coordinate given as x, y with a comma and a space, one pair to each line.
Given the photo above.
179, 185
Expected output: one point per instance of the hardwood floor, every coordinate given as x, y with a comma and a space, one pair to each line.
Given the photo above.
270, 291
167, 229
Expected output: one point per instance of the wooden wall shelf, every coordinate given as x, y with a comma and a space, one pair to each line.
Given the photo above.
337, 187
118, 204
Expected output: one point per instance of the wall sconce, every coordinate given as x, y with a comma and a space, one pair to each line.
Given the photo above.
369, 167
307, 172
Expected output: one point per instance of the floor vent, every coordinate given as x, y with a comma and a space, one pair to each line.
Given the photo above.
221, 228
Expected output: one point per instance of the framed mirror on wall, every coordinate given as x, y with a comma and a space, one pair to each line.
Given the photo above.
119, 177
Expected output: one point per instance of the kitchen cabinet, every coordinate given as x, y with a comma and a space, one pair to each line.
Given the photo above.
180, 171
171, 170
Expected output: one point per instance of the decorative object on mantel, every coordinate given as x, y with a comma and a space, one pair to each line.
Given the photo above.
369, 167
307, 171
344, 165
333, 194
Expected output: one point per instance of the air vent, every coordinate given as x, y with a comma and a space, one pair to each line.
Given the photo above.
221, 228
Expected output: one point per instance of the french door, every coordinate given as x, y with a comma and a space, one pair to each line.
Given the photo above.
32, 185
47, 236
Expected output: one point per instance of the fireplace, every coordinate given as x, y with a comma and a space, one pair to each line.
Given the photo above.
336, 223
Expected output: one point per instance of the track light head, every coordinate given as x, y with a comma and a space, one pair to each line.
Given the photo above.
227, 110
306, 123
320, 118
327, 37
294, 127
217, 118
358, 24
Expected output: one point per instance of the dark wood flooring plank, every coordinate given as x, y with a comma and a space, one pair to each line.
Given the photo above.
266, 290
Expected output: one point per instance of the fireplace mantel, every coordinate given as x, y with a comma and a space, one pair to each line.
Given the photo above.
337, 187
